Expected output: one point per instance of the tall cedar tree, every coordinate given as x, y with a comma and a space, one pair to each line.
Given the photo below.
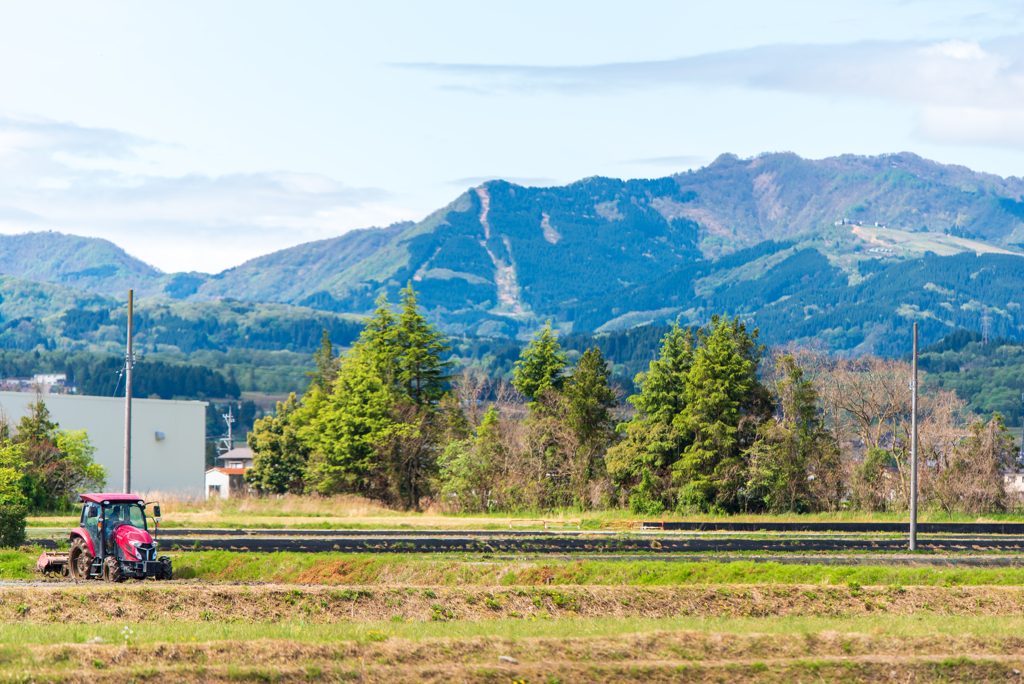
724, 403
662, 387
652, 444
423, 372
541, 364
345, 429
591, 400
326, 364
378, 343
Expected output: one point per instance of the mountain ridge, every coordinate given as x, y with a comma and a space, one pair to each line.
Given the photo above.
603, 253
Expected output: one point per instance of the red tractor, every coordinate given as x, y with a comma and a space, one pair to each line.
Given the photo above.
111, 543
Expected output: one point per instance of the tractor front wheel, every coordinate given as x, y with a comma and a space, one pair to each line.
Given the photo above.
167, 572
79, 560
112, 570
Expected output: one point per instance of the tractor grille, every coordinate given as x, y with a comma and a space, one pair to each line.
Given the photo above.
147, 552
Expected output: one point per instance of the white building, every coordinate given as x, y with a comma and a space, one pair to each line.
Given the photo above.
229, 479
168, 437
1013, 483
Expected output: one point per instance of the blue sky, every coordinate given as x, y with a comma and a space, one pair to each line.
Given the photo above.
198, 135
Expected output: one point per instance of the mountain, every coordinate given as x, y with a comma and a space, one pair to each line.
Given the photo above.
741, 202
36, 315
292, 275
91, 265
843, 251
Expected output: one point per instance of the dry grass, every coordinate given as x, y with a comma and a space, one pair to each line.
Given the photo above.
191, 632
190, 603
307, 506
653, 656
180, 510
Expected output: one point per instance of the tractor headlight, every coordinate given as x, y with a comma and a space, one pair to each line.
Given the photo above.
136, 544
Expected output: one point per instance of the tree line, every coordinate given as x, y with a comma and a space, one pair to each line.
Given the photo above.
100, 374
717, 424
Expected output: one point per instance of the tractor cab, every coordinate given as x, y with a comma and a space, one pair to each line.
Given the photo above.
112, 542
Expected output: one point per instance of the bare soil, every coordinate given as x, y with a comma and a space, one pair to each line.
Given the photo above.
191, 601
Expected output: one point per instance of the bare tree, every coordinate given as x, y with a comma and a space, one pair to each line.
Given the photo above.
471, 388
970, 478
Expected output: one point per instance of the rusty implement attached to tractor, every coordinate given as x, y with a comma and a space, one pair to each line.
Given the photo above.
56, 561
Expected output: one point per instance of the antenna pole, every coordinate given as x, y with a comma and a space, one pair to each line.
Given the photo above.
913, 451
128, 362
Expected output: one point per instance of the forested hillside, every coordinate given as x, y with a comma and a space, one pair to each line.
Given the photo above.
758, 238
740, 202
806, 299
46, 316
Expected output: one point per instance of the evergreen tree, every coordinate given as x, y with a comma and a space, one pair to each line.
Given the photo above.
652, 444
540, 365
279, 455
326, 364
591, 399
379, 343
456, 424
423, 374
345, 428
589, 402
722, 388
662, 387
405, 457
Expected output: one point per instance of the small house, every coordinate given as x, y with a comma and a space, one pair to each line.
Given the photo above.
228, 479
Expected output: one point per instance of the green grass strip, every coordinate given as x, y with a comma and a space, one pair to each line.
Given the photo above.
115, 632
440, 570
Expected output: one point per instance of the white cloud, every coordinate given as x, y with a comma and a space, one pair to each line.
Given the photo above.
964, 91
60, 176
973, 125
957, 49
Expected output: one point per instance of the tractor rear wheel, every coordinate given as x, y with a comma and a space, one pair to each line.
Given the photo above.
112, 570
167, 572
79, 560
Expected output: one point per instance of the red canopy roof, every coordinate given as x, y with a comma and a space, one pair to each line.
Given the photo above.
100, 498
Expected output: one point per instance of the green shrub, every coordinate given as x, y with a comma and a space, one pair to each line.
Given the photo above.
645, 498
12, 524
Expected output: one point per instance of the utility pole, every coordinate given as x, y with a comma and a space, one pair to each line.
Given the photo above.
913, 451
128, 362
229, 442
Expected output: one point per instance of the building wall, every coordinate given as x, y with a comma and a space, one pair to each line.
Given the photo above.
215, 478
175, 464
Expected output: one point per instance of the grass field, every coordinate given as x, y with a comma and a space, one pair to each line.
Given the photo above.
296, 617
606, 651
440, 570
147, 632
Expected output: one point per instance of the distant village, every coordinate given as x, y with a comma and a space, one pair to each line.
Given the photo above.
43, 383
